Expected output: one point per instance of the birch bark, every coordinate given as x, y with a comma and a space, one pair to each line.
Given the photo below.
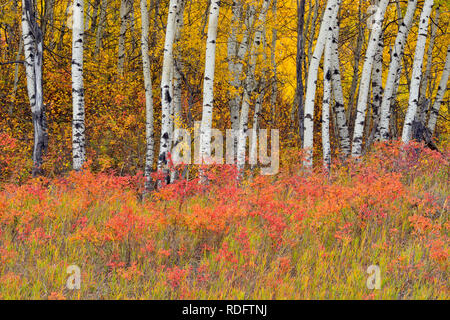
208, 82
78, 126
394, 70
166, 81
249, 87
33, 52
442, 88
417, 70
339, 109
149, 132
308, 143
365, 78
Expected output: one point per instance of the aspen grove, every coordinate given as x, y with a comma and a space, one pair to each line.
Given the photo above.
138, 141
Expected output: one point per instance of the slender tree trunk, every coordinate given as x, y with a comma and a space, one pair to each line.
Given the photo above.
236, 54
308, 143
249, 87
299, 72
365, 79
177, 77
442, 88
417, 70
16, 77
63, 26
125, 12
339, 109
423, 101
395, 70
101, 26
327, 70
377, 93
208, 82
355, 77
166, 83
273, 97
78, 126
33, 51
149, 132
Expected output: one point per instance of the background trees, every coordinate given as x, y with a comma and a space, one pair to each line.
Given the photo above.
262, 50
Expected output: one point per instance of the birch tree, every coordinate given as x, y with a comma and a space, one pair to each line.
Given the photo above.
149, 132
394, 70
442, 88
417, 70
208, 82
33, 51
339, 108
249, 87
327, 69
423, 101
78, 126
166, 84
299, 70
177, 77
329, 15
236, 51
365, 78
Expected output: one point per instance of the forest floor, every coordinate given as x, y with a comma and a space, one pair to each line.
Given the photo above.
295, 235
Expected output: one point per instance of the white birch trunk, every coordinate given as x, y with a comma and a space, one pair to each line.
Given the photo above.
394, 70
339, 109
442, 88
177, 89
166, 81
249, 87
33, 51
417, 70
423, 101
327, 70
208, 82
311, 85
365, 79
236, 53
78, 126
149, 132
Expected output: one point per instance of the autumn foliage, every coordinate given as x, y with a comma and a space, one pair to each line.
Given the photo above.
296, 235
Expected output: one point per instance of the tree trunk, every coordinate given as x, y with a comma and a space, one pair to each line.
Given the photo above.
78, 126
299, 72
208, 83
339, 109
417, 70
423, 101
308, 143
273, 97
395, 70
177, 92
33, 51
101, 26
125, 11
355, 77
166, 83
249, 87
442, 88
365, 78
149, 132
327, 71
